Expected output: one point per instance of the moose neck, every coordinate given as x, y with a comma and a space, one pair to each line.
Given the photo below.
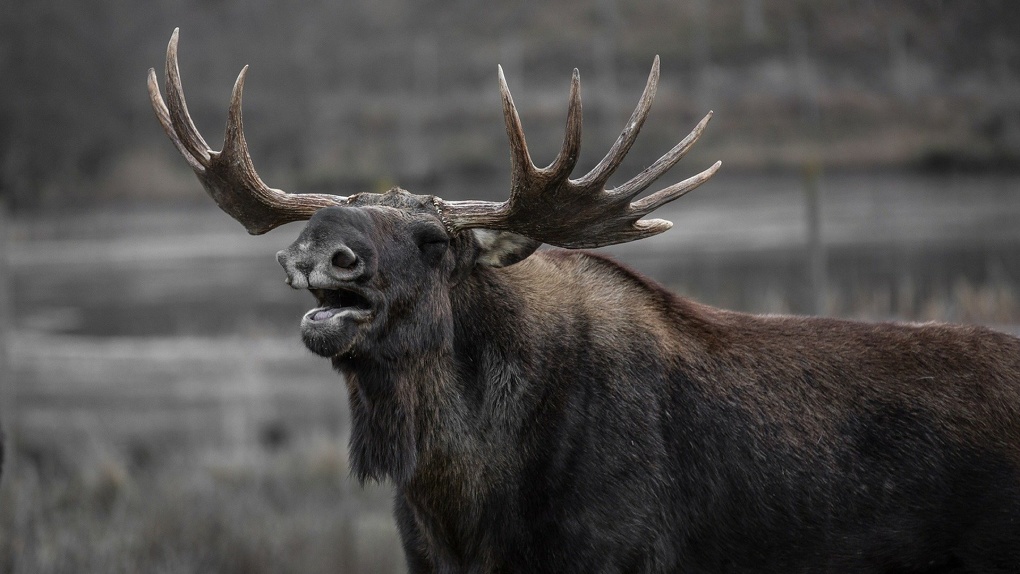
416, 413
405, 407
384, 438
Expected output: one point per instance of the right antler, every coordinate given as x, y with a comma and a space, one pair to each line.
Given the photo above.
228, 175
546, 205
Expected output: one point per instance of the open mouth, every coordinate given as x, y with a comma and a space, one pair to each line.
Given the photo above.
337, 303
336, 324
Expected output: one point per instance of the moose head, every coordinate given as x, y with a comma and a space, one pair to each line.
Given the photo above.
370, 259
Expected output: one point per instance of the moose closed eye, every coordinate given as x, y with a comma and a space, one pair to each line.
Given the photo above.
431, 235
554, 411
432, 241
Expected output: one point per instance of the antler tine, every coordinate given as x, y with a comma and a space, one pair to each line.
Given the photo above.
646, 205
229, 175
183, 125
602, 172
521, 164
163, 115
565, 161
235, 148
641, 181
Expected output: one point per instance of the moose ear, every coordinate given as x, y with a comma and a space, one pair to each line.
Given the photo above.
502, 248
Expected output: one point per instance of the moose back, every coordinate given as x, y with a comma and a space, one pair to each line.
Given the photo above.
554, 411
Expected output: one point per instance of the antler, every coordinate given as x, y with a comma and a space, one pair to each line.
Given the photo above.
228, 175
547, 206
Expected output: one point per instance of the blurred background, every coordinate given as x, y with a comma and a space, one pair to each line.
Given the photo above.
161, 413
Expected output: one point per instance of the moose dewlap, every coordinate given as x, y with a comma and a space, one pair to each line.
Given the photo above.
554, 411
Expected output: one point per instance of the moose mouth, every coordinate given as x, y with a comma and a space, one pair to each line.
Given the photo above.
333, 327
338, 303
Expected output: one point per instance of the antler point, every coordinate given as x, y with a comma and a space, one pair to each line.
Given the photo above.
239, 82
654, 226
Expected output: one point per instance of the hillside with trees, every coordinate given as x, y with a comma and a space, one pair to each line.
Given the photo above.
364, 94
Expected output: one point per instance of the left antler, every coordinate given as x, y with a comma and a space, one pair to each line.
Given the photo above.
228, 175
546, 205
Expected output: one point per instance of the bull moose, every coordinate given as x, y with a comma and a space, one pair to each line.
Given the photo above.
555, 411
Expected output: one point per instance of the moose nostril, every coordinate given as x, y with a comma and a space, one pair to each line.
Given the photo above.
344, 258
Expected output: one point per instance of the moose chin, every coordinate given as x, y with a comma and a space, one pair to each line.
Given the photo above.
555, 411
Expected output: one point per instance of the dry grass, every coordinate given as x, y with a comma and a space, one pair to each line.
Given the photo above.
294, 511
964, 301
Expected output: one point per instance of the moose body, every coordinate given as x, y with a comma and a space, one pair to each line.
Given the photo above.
565, 414
554, 411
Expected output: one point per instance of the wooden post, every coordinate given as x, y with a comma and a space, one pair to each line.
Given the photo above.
817, 264
8, 394
701, 50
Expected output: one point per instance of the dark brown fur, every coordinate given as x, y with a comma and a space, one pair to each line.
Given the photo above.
565, 414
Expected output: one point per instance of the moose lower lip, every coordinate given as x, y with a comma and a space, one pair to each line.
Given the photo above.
322, 314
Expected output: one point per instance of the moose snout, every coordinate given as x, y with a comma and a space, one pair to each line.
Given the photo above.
311, 266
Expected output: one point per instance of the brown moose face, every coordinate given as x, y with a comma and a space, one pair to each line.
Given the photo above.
368, 266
